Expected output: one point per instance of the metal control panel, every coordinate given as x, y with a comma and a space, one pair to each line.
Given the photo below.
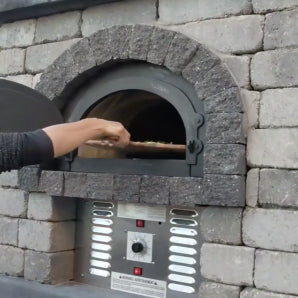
145, 250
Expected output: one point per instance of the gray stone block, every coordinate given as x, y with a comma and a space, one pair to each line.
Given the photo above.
29, 178
13, 202
216, 290
155, 190
75, 185
9, 178
283, 268
44, 207
17, 34
12, 61
228, 264
278, 188
224, 128
252, 187
50, 268
46, 236
223, 190
51, 182
58, 27
224, 159
273, 148
256, 293
126, 188
9, 230
140, 42
263, 6
11, 260
26, 80
185, 191
99, 186
273, 69
227, 101
180, 53
271, 229
221, 225
279, 108
160, 42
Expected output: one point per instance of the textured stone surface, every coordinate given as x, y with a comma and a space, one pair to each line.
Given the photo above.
216, 290
126, 188
75, 185
51, 182
17, 34
39, 57
28, 178
9, 178
271, 229
227, 264
273, 69
49, 267
107, 15
99, 186
237, 35
279, 108
9, 230
224, 128
261, 6
223, 190
283, 268
11, 260
185, 190
221, 225
13, 202
273, 148
44, 207
252, 187
175, 11
224, 159
46, 236
12, 61
255, 293
21, 79
278, 187
58, 27
155, 190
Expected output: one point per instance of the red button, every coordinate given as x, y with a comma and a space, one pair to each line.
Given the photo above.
140, 223
137, 271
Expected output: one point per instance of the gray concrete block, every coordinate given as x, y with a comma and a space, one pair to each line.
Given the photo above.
185, 191
44, 207
46, 236
155, 190
13, 202
99, 186
107, 15
224, 128
283, 268
9, 230
21, 79
11, 260
279, 108
273, 69
12, 61
180, 52
256, 293
58, 27
227, 264
223, 190
263, 6
273, 148
75, 185
50, 268
51, 182
224, 159
216, 290
271, 229
243, 34
29, 178
278, 187
221, 225
9, 178
252, 187
17, 34
39, 57
126, 188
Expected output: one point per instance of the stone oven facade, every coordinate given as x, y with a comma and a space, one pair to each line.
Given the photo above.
235, 62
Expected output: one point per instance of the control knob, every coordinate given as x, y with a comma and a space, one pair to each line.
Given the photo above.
137, 247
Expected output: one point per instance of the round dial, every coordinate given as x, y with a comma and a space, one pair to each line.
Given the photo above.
137, 247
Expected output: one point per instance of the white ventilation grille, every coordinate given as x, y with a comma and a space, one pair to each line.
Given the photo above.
101, 244
183, 250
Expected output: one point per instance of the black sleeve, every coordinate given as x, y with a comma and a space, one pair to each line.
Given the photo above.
21, 149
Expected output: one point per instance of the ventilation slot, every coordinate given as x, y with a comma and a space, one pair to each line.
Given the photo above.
101, 244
